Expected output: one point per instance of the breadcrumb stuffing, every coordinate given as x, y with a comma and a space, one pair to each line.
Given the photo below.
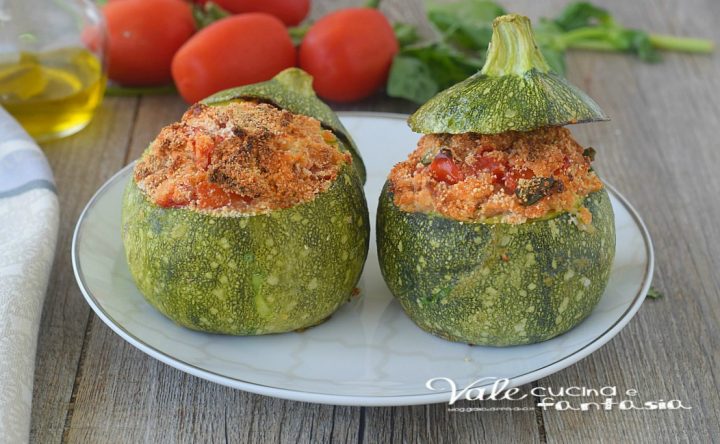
510, 177
241, 156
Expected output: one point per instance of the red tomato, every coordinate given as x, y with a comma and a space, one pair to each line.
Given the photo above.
490, 164
291, 12
235, 51
203, 146
444, 169
143, 36
169, 199
564, 166
512, 178
349, 53
210, 195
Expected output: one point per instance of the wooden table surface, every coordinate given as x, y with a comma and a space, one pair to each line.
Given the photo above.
661, 151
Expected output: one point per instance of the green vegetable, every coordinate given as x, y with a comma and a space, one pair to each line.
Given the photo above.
494, 283
405, 33
654, 293
583, 25
537, 188
297, 33
248, 275
418, 73
467, 24
489, 282
464, 26
284, 270
515, 90
292, 90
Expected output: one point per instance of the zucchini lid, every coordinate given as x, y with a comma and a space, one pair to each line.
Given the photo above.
292, 90
515, 90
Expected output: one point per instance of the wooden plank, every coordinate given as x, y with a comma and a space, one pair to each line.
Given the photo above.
114, 405
127, 397
81, 163
434, 423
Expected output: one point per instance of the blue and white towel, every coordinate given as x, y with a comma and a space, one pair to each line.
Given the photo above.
28, 234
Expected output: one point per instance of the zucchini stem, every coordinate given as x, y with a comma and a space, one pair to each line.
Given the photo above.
513, 49
297, 80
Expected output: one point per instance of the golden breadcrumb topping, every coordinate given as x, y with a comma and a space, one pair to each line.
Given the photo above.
241, 156
510, 177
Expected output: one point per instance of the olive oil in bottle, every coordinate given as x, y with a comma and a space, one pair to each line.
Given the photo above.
52, 94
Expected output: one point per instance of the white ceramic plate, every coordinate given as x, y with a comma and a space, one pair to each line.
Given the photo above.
369, 352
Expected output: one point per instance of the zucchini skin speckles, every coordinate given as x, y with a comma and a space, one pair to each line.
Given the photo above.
249, 275
493, 283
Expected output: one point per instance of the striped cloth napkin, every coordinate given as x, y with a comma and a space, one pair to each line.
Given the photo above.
28, 234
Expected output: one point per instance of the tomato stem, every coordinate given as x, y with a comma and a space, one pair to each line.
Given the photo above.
207, 14
372, 4
297, 33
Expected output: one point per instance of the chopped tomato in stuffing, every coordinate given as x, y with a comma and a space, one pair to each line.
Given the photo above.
203, 146
242, 156
170, 197
512, 177
474, 177
166, 200
210, 195
491, 165
443, 168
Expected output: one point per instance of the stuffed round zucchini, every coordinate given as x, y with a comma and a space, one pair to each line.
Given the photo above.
496, 230
245, 218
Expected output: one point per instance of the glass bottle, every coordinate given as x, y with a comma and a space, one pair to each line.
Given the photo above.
52, 66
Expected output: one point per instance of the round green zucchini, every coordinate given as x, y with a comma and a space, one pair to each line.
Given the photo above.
494, 283
249, 274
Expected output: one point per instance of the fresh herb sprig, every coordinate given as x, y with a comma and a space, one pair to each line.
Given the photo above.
654, 293
420, 70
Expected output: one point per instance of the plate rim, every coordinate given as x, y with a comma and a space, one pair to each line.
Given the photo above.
356, 400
